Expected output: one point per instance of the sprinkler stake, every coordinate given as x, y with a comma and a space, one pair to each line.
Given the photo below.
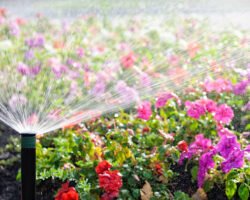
28, 166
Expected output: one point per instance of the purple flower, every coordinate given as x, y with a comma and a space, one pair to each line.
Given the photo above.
126, 93
163, 98
240, 88
224, 114
199, 146
247, 152
227, 144
195, 109
35, 42
29, 55
35, 70
17, 100
234, 160
205, 163
246, 107
224, 132
98, 89
23, 69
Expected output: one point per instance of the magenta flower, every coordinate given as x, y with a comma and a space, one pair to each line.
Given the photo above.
224, 114
35, 70
227, 145
205, 163
224, 132
209, 105
194, 109
247, 152
163, 99
240, 88
23, 69
144, 110
35, 42
218, 86
234, 160
199, 146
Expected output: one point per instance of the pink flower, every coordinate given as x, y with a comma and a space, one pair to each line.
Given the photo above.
163, 98
218, 86
128, 60
224, 114
209, 105
195, 109
144, 110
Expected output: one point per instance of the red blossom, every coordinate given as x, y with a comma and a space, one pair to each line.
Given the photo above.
102, 167
183, 146
67, 193
158, 168
111, 182
128, 60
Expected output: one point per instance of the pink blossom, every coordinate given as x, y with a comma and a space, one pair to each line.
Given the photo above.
195, 109
218, 85
247, 152
209, 105
128, 60
32, 119
144, 110
224, 114
163, 98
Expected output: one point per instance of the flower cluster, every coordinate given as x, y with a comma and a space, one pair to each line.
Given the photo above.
67, 193
222, 113
228, 147
109, 181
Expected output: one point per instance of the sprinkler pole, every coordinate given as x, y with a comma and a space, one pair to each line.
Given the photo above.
28, 166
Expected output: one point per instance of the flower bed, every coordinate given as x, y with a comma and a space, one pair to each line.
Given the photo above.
192, 142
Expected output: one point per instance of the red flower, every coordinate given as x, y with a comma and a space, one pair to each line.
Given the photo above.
158, 168
183, 146
67, 193
111, 182
102, 167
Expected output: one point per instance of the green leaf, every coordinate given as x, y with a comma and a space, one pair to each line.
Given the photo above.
178, 195
243, 191
194, 172
231, 188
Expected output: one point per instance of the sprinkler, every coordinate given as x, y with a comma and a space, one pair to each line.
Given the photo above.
28, 166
